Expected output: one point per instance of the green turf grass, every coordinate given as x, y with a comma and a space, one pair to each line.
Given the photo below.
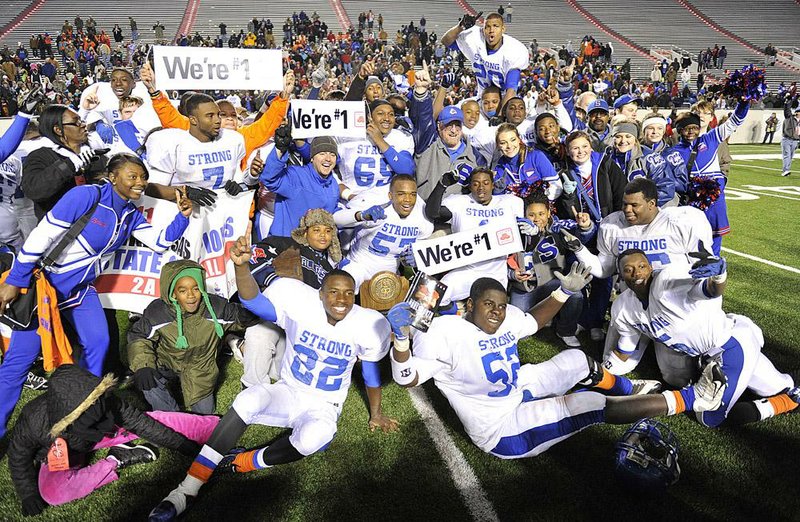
728, 474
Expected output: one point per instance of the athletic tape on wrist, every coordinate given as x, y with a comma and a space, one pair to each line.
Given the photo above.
346, 193
401, 344
560, 295
719, 279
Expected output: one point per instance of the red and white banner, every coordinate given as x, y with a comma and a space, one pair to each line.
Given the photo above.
130, 281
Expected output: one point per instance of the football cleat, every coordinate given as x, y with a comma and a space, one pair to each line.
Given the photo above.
794, 394
35, 382
226, 465
171, 507
647, 456
645, 386
126, 455
709, 388
571, 341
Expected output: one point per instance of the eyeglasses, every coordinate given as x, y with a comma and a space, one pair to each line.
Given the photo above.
79, 123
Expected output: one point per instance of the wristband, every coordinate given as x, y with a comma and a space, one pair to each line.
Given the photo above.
154, 94
719, 279
346, 193
403, 373
561, 295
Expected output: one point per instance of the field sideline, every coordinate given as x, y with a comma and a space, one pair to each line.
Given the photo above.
727, 474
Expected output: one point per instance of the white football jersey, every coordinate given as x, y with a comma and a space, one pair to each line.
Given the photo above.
479, 377
668, 239
10, 178
319, 357
175, 157
492, 68
468, 214
109, 103
379, 243
678, 314
361, 164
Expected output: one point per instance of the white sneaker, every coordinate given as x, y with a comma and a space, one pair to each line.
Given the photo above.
571, 341
645, 386
785, 173
597, 334
709, 388
236, 344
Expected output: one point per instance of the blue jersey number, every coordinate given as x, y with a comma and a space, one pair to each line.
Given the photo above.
488, 77
501, 375
378, 246
306, 360
364, 172
215, 173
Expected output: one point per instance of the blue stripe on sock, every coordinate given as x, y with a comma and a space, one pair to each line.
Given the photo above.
528, 440
210, 464
622, 386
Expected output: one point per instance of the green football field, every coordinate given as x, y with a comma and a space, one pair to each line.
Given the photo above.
744, 473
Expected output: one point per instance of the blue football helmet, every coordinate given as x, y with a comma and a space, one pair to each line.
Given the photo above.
647, 456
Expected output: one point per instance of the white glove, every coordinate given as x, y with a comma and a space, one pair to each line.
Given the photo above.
526, 227
709, 388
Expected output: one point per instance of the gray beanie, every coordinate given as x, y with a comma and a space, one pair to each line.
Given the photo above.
371, 80
323, 144
626, 126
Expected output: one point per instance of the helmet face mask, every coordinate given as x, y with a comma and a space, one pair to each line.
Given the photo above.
647, 456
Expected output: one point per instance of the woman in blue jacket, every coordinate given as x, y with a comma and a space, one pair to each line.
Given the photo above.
518, 164
113, 222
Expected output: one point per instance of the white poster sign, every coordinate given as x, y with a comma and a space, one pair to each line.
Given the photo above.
312, 118
497, 239
200, 68
130, 281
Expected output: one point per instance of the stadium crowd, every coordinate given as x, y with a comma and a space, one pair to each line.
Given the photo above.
466, 130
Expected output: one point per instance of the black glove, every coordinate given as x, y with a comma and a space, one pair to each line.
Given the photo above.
468, 21
32, 99
449, 178
86, 158
233, 188
283, 138
448, 79
494, 121
573, 243
32, 506
145, 378
201, 196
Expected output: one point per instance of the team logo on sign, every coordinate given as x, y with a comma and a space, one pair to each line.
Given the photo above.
504, 236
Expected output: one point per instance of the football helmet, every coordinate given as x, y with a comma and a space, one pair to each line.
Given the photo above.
647, 456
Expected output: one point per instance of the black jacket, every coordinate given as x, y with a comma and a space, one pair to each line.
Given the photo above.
73, 390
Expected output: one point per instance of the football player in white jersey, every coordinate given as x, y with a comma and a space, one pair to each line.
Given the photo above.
17, 217
468, 212
103, 97
384, 236
203, 158
666, 235
372, 161
325, 334
497, 59
514, 410
684, 311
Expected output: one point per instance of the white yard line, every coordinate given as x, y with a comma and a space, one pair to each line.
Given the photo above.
463, 475
756, 167
751, 191
770, 156
760, 260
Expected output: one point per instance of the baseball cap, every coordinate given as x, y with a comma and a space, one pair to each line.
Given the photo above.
597, 105
449, 114
626, 99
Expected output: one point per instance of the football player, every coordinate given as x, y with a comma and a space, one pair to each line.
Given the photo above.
104, 97
384, 236
203, 158
326, 333
684, 312
666, 235
497, 59
372, 161
511, 410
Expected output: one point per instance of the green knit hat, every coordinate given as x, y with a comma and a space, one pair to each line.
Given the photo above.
197, 275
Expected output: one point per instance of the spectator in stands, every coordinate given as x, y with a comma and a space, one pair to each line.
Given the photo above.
117, 33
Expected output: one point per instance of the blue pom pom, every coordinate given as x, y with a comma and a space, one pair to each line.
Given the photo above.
748, 83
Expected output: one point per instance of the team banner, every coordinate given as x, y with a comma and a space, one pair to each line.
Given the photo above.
311, 118
198, 68
130, 281
495, 239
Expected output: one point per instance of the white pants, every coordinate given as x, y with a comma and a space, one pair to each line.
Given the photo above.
264, 346
313, 421
547, 416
